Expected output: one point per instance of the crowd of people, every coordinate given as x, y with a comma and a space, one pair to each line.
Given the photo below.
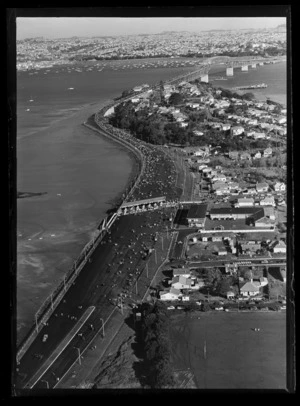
158, 177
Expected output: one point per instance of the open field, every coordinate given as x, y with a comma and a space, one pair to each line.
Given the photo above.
237, 357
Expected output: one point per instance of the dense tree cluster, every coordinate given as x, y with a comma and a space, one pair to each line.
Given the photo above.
157, 346
148, 125
152, 128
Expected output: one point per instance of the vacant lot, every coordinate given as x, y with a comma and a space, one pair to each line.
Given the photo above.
237, 357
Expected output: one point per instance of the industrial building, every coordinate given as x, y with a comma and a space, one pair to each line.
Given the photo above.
237, 213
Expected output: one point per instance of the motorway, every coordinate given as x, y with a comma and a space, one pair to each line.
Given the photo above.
113, 269
114, 266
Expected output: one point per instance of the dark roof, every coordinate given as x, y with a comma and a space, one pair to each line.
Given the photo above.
197, 211
251, 211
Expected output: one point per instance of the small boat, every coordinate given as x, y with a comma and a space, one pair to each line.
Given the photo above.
70, 88
31, 100
27, 109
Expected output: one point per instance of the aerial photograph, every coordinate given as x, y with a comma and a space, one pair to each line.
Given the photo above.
152, 201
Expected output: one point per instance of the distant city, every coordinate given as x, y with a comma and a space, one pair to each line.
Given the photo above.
41, 52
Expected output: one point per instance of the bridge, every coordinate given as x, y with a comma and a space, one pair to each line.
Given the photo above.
229, 62
142, 205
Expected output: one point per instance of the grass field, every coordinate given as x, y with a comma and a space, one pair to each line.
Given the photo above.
237, 357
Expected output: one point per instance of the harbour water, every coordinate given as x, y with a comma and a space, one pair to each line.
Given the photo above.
81, 172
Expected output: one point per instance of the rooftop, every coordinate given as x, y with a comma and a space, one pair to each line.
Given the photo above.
197, 211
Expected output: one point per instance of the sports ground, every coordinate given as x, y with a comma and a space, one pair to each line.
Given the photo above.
223, 350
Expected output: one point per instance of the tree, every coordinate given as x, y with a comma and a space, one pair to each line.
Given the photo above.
175, 98
223, 286
212, 276
205, 307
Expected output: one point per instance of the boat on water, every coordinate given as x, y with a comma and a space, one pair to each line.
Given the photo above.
70, 88
259, 86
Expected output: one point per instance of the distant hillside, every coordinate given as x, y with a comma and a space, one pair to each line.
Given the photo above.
280, 28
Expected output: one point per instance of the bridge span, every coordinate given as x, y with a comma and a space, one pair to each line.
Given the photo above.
229, 63
144, 205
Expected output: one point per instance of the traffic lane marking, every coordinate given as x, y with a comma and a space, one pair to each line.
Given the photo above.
37, 376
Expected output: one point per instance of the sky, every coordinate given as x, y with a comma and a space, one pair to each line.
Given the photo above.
64, 27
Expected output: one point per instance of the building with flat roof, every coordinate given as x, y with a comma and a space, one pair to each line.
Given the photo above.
197, 215
244, 202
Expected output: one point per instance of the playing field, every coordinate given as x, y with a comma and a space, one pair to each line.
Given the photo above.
223, 351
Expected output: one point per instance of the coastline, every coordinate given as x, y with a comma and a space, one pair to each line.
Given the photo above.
136, 161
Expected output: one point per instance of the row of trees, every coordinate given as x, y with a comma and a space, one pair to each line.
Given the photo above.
157, 345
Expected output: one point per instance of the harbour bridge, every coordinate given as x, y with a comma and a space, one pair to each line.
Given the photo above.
229, 62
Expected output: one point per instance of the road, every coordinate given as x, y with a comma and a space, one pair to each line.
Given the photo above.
97, 285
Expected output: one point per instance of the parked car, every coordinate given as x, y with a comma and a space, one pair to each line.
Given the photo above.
219, 308
171, 308
45, 337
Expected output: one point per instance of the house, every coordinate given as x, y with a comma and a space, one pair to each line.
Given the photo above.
265, 222
262, 187
135, 100
197, 215
249, 289
252, 191
281, 120
185, 298
260, 282
236, 130
245, 155
220, 187
233, 185
221, 251
257, 155
172, 294
183, 124
267, 201
258, 135
185, 282
219, 177
267, 152
252, 121
217, 238
230, 295
244, 202
279, 247
181, 282
226, 127
198, 133
233, 155
279, 187
182, 272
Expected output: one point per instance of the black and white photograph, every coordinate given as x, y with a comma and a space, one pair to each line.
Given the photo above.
153, 201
